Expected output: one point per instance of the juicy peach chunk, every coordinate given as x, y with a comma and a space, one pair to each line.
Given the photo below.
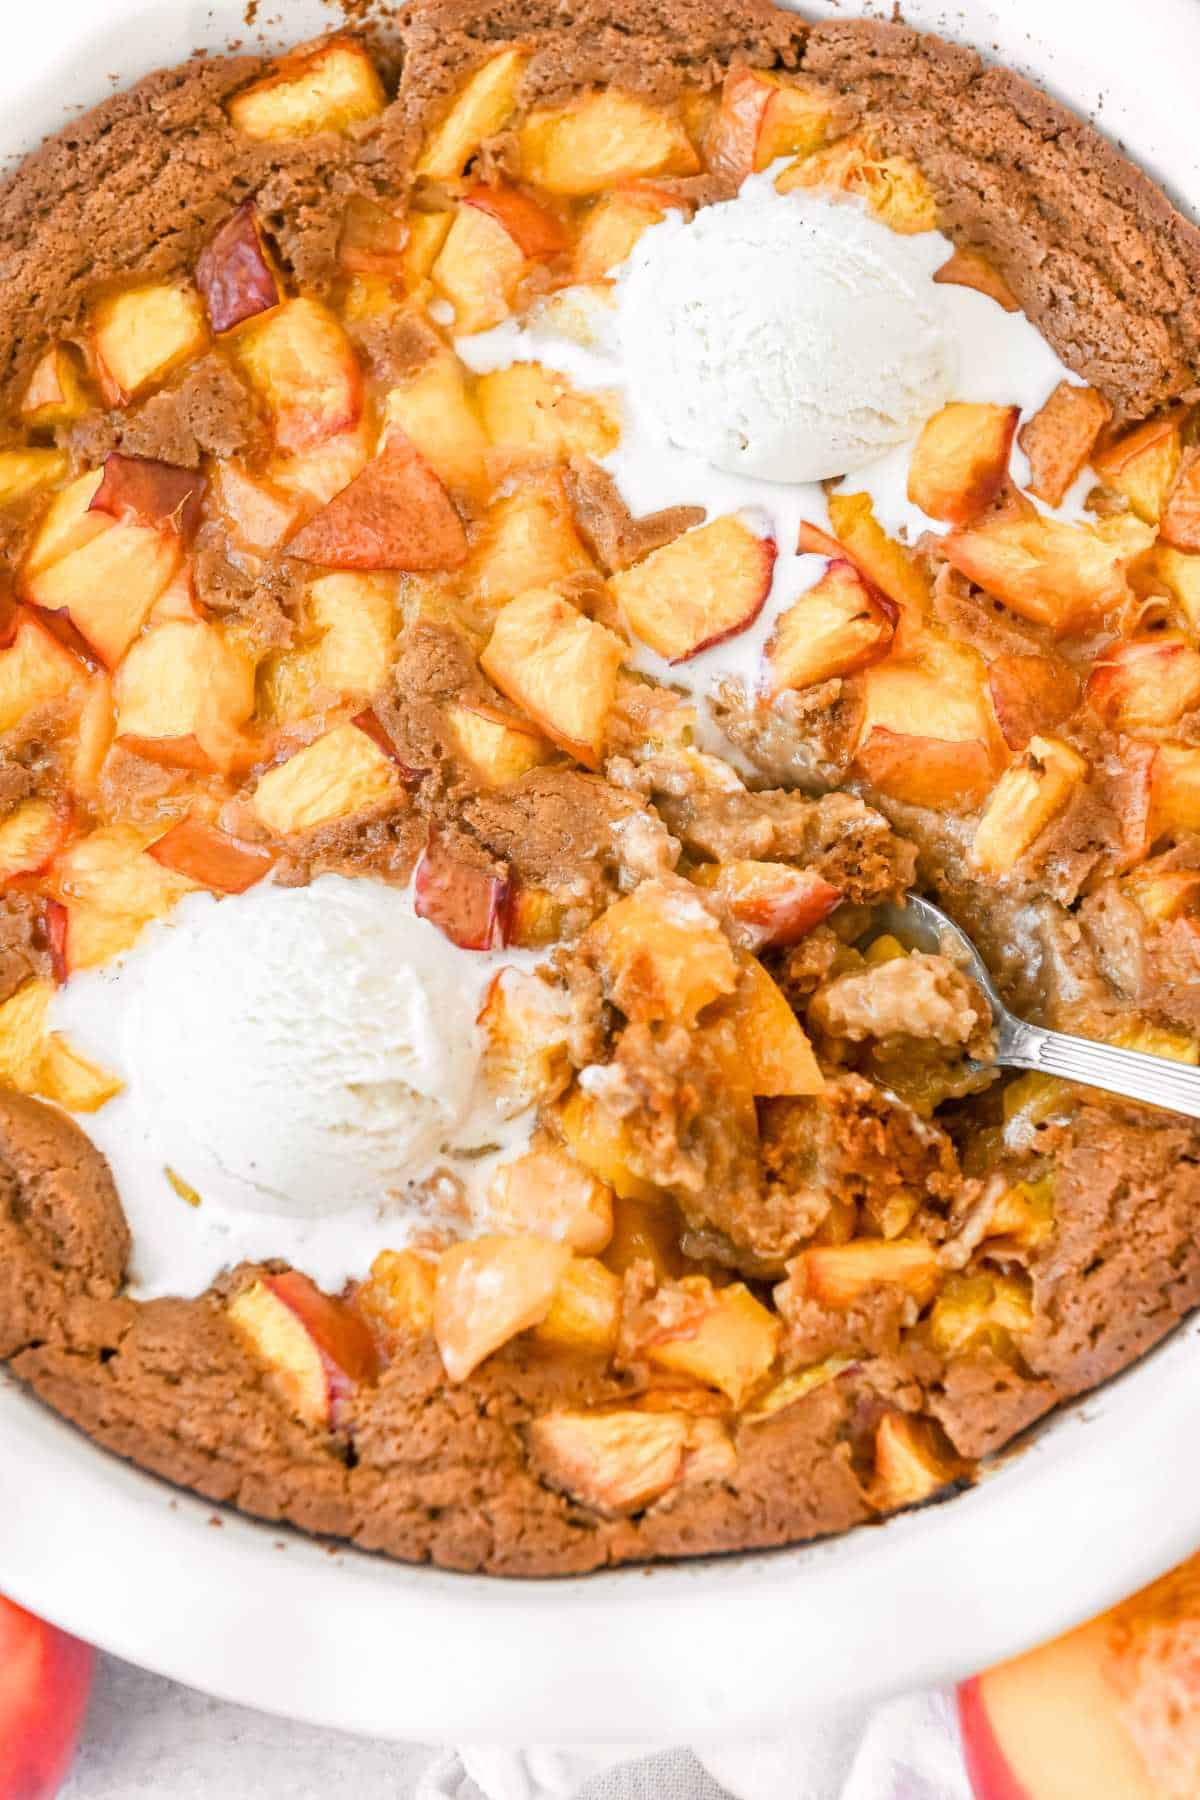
302, 363
549, 1193
705, 587
1180, 523
599, 140
882, 560
762, 116
1031, 695
318, 475
1142, 465
585, 1313
1060, 438
661, 954
467, 903
1050, 572
354, 616
971, 1307
35, 1060
260, 515
435, 412
841, 1275
839, 626
894, 188
26, 472
108, 585
235, 272
31, 837
478, 270
395, 515
211, 858
525, 1026
35, 670
600, 1140
926, 735
1025, 800
1145, 683
559, 667
970, 269
328, 89
1174, 774
620, 1462
529, 541
55, 393
396, 1299
1162, 893
110, 889
139, 490
610, 231
960, 461
912, 1461
769, 903
480, 108
488, 1291
726, 1338
143, 333
531, 411
317, 1349
498, 748
767, 1049
339, 774
184, 684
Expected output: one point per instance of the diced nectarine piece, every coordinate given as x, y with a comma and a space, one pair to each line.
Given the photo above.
497, 747
1024, 801
912, 1461
55, 393
373, 239
478, 270
767, 1049
585, 1314
184, 681
328, 89
490, 1289
1162, 893
537, 916
35, 1060
317, 1350
26, 472
1179, 574
968, 268
557, 666
212, 858
426, 235
68, 524
395, 515
926, 735
610, 231
35, 670
303, 364
532, 411
1060, 438
601, 139
535, 230
600, 1140
529, 540
1024, 1212
435, 412
893, 187
317, 476
137, 490
549, 1193
260, 515
481, 107
1048, 571
396, 1299
355, 616
726, 1339
110, 888
1031, 695
704, 587
342, 773
1145, 683
1174, 774
971, 1306
762, 117
235, 272
525, 1027
73, 1081
769, 903
661, 954
143, 333
109, 584
882, 560
614, 1462
925, 771
467, 903
31, 836
960, 461
1180, 523
1143, 464
841, 1275
841, 625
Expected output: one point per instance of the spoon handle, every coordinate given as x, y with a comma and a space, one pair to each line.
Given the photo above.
1153, 1079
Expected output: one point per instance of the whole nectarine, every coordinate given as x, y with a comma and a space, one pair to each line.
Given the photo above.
45, 1678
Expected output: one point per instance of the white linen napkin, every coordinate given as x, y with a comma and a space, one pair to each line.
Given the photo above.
907, 1749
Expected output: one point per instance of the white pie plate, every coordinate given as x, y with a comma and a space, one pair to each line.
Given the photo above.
1102, 1501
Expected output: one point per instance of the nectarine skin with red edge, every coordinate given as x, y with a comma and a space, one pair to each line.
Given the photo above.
45, 1680
142, 491
987, 1771
233, 273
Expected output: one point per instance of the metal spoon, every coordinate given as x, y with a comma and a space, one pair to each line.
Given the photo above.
919, 925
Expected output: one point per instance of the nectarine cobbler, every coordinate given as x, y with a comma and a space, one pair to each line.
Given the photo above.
520, 531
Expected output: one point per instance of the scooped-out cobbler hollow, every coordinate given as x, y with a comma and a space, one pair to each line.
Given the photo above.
516, 536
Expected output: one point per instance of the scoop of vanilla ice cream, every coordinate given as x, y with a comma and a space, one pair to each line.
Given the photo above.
787, 337
302, 1050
